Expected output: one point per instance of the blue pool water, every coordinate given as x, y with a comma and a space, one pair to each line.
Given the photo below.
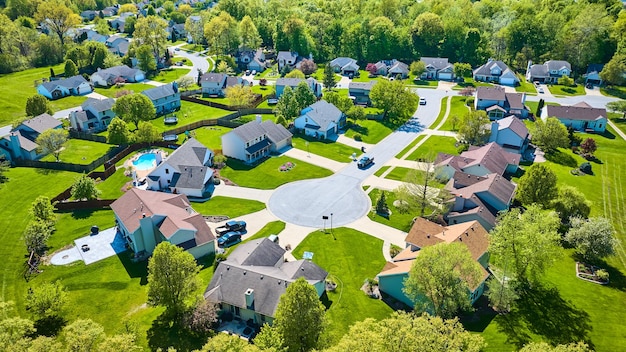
145, 162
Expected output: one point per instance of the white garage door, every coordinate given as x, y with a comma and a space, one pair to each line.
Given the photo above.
507, 81
445, 75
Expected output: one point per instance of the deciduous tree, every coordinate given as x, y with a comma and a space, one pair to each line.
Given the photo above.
330, 81
202, 317
37, 105
36, 236
222, 34
240, 96
544, 347
537, 185
70, 69
287, 106
58, 17
228, 343
295, 73
250, 37
118, 132
172, 278
308, 66
502, 292
145, 56
82, 335
419, 192
589, 146
593, 238
41, 209
150, 31
51, 141
303, 96
550, 135
84, 187
394, 99
147, 133
46, 300
619, 105
417, 68
134, 108
473, 130
342, 102
571, 203
119, 343
462, 69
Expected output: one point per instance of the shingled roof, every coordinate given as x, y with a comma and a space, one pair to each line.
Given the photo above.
576, 112
492, 156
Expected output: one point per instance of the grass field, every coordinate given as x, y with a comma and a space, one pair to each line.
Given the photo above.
348, 267
267, 175
113, 90
185, 61
170, 75
557, 89
231, 207
190, 112
525, 87
209, 136
458, 109
16, 87
432, 146
111, 188
371, 131
78, 151
328, 149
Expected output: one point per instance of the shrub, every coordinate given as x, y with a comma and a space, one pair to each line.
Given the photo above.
586, 168
602, 274
469, 101
394, 250
358, 137
462, 147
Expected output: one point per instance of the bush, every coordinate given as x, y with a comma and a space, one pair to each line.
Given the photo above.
469, 101
462, 147
394, 250
586, 168
358, 137
602, 274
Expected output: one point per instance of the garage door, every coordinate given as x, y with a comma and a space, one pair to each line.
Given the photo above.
446, 75
507, 81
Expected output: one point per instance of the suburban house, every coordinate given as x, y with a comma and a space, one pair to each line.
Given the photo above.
251, 280
392, 68
215, 84
255, 140
478, 161
251, 59
110, 76
109, 11
496, 72
95, 116
498, 104
345, 66
359, 92
593, 74
186, 171
581, 116
20, 142
425, 233
118, 23
281, 83
88, 15
147, 218
320, 120
83, 34
166, 98
56, 89
549, 72
287, 58
118, 45
511, 134
437, 68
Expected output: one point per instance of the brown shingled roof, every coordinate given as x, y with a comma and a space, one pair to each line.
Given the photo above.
426, 233
575, 112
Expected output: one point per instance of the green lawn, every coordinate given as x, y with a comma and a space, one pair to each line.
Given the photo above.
267, 175
190, 112
557, 89
442, 112
209, 136
248, 118
78, 151
192, 47
470, 82
423, 83
328, 149
364, 77
170, 75
434, 145
618, 119
524, 86
231, 207
397, 219
399, 173
111, 188
532, 106
263, 90
132, 87
348, 267
65, 103
16, 87
457, 108
381, 171
371, 131
184, 60
408, 147
270, 74
614, 91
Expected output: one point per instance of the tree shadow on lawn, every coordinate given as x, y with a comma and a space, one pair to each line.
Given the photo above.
134, 269
168, 331
561, 158
50, 326
542, 311
617, 280
364, 131
81, 214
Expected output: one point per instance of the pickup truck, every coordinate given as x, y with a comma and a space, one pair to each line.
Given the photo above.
364, 162
229, 227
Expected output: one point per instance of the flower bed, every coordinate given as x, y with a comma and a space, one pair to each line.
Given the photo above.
287, 166
591, 273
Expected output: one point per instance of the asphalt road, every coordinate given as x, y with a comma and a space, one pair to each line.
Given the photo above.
305, 202
198, 62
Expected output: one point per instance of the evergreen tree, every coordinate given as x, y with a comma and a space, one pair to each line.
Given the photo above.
330, 81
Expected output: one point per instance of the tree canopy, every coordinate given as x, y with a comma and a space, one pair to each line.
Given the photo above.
394, 99
84, 187
593, 238
550, 135
37, 105
51, 141
473, 130
537, 185
134, 108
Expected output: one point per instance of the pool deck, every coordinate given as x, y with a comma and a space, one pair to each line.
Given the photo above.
105, 244
143, 173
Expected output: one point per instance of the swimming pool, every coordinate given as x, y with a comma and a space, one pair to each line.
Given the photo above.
145, 161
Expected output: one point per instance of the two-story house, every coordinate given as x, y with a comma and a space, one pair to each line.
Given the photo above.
496, 72
20, 143
215, 84
250, 282
255, 140
581, 116
549, 72
359, 92
511, 134
437, 68
95, 116
498, 104
345, 66
56, 89
281, 83
147, 218
110, 76
592, 76
287, 58
320, 120
166, 98
251, 59
187, 171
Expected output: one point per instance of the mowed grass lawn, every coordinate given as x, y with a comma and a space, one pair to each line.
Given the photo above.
442, 112
170, 74
349, 257
113, 187
267, 175
189, 113
328, 149
558, 89
231, 207
210, 136
432, 146
17, 87
525, 86
131, 87
410, 146
458, 109
78, 151
371, 131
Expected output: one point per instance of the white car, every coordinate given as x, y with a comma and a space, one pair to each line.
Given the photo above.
540, 90
253, 72
422, 101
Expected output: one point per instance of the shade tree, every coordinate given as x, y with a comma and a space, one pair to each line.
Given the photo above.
593, 238
51, 141
133, 108
537, 185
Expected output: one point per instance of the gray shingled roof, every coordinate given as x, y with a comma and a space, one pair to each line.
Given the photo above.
99, 105
437, 62
514, 124
287, 55
118, 71
42, 123
188, 161
362, 85
491, 93
159, 92
557, 65
575, 112
291, 82
258, 253
249, 131
491, 156
212, 77
485, 69
322, 113
342, 61
190, 176
72, 82
539, 70
275, 132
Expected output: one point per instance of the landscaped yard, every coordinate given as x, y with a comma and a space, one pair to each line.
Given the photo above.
557, 89
65, 103
458, 109
170, 74
267, 174
111, 188
364, 77
248, 118
399, 220
16, 87
349, 257
113, 90
78, 151
422, 83
192, 47
524, 86
230, 207
270, 73
184, 60
614, 91
433, 146
209, 136
532, 106
328, 149
371, 131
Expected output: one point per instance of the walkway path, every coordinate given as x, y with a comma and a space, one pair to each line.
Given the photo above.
352, 143
315, 159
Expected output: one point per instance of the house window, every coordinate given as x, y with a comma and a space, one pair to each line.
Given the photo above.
237, 311
167, 171
600, 126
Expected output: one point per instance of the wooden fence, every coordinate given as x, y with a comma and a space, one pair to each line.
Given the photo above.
87, 136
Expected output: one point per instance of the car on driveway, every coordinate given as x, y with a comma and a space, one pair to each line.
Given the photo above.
229, 239
364, 162
230, 226
540, 90
422, 101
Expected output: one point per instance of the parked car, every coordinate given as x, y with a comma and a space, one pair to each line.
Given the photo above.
540, 90
272, 101
422, 101
247, 72
229, 239
364, 162
253, 72
230, 226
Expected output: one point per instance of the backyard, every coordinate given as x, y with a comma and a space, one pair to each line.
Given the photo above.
78, 151
210, 136
113, 90
189, 113
328, 149
336, 253
267, 175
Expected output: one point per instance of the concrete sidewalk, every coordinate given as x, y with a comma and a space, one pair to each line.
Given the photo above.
410, 164
315, 159
378, 230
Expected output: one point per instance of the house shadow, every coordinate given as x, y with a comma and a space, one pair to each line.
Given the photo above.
542, 311
480, 317
561, 158
134, 269
326, 301
607, 134
168, 331
364, 131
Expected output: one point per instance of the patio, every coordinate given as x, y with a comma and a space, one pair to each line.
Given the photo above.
105, 244
235, 327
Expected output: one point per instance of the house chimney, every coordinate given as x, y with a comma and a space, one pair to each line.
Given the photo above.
249, 298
